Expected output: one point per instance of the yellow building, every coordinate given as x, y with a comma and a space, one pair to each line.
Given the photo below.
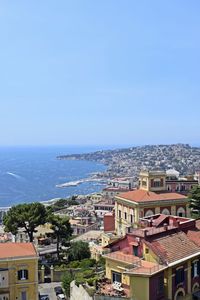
159, 261
18, 271
151, 198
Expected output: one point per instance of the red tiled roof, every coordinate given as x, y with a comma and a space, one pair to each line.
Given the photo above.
146, 267
120, 256
194, 235
11, 250
198, 224
159, 220
116, 189
173, 247
145, 196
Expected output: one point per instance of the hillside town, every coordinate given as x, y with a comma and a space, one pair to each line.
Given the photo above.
128, 162
126, 242
99, 150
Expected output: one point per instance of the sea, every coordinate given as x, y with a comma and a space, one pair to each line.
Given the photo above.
30, 174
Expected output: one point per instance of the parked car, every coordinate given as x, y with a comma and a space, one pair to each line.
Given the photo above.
47, 279
58, 290
61, 297
44, 297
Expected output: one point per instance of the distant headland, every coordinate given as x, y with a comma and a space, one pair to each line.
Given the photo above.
129, 161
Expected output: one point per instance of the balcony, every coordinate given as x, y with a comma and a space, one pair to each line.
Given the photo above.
106, 288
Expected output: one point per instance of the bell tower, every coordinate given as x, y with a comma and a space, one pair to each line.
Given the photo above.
153, 181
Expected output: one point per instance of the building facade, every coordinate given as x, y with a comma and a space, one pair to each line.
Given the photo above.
151, 198
158, 261
18, 271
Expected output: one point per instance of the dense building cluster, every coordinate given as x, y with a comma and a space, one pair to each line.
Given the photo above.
145, 233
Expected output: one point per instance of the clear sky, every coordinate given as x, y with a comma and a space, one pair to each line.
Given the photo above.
99, 72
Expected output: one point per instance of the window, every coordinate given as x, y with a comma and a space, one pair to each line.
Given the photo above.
23, 296
120, 214
146, 250
160, 285
195, 269
179, 278
131, 218
125, 215
135, 250
156, 184
23, 275
116, 277
144, 183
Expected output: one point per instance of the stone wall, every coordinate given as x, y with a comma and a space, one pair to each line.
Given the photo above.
78, 292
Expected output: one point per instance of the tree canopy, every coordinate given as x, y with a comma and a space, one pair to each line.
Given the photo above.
62, 229
79, 250
194, 199
66, 280
63, 203
27, 216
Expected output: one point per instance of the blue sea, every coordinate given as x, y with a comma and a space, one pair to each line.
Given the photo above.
31, 173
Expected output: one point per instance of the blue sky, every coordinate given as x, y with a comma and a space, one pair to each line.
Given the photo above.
99, 72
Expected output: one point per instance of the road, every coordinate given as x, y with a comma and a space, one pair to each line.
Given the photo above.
48, 289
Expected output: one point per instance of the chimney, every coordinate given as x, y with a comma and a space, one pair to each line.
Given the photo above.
151, 222
178, 223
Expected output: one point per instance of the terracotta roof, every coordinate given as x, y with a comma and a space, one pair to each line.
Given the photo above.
146, 267
198, 224
11, 250
120, 256
116, 189
145, 196
173, 247
160, 220
194, 234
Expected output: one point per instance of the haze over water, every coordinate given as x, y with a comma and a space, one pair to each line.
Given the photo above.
31, 174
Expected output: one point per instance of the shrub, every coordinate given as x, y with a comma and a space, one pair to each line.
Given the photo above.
74, 264
87, 263
66, 280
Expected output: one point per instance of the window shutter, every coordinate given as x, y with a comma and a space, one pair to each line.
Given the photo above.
19, 275
182, 275
176, 277
26, 274
192, 270
198, 267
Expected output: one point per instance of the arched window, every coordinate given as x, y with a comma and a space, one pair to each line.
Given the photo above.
148, 213
180, 296
181, 212
165, 211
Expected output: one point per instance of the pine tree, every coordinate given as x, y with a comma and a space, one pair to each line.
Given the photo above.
194, 199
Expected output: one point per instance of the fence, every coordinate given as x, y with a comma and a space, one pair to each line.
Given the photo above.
101, 297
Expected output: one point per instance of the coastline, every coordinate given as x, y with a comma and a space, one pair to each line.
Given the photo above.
31, 174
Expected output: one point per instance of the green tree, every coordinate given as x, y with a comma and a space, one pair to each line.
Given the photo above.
27, 216
78, 251
194, 199
66, 280
61, 230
